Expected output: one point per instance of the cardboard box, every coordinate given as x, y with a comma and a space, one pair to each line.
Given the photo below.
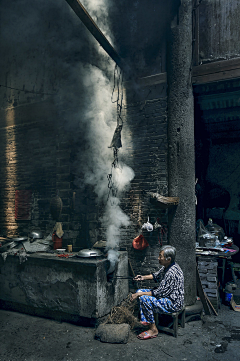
234, 305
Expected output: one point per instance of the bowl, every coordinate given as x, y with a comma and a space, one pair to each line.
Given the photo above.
61, 250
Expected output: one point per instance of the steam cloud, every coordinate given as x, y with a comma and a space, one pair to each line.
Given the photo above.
100, 118
99, 122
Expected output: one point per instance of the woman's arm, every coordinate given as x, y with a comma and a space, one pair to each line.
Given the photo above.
143, 278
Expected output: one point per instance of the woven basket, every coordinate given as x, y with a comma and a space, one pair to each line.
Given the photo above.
166, 201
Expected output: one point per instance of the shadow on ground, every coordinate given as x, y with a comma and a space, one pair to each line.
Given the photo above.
29, 338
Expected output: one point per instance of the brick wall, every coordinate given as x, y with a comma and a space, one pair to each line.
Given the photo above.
31, 158
146, 124
37, 154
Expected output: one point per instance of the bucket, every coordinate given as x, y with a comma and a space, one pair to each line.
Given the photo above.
57, 242
228, 297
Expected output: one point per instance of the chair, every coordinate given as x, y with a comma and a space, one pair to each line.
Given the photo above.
173, 326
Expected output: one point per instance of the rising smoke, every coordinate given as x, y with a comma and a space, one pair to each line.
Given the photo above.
98, 122
100, 116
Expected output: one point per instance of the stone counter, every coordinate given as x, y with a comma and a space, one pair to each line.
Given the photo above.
69, 289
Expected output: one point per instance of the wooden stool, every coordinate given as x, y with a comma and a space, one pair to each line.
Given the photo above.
173, 326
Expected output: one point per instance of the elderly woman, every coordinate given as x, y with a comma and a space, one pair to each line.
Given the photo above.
167, 297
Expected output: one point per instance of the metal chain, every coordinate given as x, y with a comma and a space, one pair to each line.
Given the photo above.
111, 186
118, 82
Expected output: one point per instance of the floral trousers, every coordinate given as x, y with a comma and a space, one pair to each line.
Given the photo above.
150, 305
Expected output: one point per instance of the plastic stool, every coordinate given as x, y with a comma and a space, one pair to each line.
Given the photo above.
173, 326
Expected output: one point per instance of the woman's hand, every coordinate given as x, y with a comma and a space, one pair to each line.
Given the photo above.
138, 278
134, 296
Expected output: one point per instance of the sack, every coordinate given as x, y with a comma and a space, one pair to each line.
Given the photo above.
140, 243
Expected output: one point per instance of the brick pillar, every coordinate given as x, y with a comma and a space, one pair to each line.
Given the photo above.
181, 164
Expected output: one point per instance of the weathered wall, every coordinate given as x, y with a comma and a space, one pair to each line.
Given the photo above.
40, 59
56, 79
218, 30
33, 157
142, 39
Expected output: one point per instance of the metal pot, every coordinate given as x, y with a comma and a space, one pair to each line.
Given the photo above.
36, 235
89, 253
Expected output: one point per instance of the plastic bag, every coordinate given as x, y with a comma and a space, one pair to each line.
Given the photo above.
140, 243
148, 226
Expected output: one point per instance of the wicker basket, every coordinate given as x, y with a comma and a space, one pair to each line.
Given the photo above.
164, 201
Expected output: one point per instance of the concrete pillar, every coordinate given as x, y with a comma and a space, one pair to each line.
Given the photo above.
181, 162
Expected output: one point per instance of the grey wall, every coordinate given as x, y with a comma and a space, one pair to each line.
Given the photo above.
218, 30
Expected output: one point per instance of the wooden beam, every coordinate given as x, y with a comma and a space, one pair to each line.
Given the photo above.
217, 66
155, 79
87, 20
216, 71
224, 75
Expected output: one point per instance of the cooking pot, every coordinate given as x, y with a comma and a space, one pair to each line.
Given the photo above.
36, 235
89, 253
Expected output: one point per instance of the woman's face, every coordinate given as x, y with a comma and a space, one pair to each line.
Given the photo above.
162, 260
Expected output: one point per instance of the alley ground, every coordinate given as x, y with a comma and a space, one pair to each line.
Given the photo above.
29, 338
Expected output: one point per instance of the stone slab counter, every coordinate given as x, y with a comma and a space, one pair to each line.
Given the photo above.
65, 289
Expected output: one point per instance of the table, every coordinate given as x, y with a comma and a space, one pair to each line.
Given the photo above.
224, 256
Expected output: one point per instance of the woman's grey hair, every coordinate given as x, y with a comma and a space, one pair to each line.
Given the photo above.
169, 251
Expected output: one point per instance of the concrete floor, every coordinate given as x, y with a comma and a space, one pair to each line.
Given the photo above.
29, 338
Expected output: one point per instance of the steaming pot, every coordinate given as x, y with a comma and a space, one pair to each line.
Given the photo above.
89, 252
